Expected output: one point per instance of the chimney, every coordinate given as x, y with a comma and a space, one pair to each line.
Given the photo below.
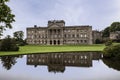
35, 26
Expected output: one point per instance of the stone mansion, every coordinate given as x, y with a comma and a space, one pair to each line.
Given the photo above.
56, 33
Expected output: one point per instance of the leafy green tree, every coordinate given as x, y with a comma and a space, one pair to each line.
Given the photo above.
106, 32
112, 52
18, 35
8, 44
9, 61
98, 41
115, 64
108, 43
6, 17
115, 26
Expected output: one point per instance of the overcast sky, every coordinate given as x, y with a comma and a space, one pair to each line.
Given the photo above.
97, 13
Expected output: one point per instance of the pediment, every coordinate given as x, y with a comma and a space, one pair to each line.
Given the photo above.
54, 26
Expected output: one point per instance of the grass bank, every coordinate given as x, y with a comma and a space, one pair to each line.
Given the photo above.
49, 48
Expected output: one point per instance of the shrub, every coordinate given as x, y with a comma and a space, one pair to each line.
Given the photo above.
108, 43
112, 52
8, 44
115, 64
98, 41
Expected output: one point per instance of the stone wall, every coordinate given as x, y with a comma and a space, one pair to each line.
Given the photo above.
56, 33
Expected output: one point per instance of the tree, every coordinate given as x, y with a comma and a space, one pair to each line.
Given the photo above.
9, 61
98, 41
112, 52
115, 64
108, 43
115, 26
6, 17
106, 32
18, 35
8, 44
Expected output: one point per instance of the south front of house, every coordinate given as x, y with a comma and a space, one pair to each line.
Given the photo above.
56, 33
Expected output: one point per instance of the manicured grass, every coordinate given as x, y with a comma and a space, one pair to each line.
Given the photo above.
49, 48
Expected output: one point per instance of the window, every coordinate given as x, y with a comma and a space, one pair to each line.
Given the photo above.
73, 35
65, 30
35, 41
81, 35
85, 41
39, 36
77, 35
34, 36
85, 35
55, 36
68, 35
35, 31
58, 31
65, 35
68, 31
81, 41
64, 41
32, 31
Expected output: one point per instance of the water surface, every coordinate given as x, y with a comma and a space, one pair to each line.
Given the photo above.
59, 66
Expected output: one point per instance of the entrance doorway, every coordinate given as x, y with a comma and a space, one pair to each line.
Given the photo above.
54, 42
50, 42
58, 42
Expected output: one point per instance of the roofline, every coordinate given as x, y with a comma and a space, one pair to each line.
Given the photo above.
61, 27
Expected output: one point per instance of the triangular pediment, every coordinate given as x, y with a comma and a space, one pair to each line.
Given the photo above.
54, 26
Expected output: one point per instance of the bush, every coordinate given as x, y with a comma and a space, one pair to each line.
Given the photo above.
20, 42
115, 64
8, 44
112, 52
98, 41
108, 43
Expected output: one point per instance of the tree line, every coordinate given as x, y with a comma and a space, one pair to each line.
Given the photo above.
115, 26
6, 20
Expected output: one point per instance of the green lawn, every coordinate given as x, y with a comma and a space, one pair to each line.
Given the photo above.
63, 48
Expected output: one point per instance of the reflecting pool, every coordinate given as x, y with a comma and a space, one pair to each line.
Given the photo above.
59, 66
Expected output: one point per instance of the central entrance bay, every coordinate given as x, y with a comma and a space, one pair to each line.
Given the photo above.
59, 66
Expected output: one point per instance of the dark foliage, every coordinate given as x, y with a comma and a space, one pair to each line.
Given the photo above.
18, 35
112, 52
9, 61
8, 44
106, 32
115, 26
108, 43
115, 64
98, 41
6, 17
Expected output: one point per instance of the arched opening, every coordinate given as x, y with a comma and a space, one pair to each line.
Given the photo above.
58, 42
50, 42
54, 42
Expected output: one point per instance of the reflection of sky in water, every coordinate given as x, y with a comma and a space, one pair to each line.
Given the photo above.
20, 71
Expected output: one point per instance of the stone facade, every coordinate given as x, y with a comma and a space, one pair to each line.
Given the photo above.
96, 35
115, 35
56, 33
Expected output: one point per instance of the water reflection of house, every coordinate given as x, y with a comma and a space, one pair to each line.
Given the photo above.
57, 61
96, 55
